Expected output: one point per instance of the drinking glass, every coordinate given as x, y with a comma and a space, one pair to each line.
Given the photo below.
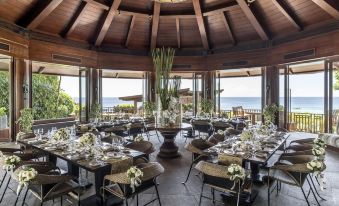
36, 132
41, 132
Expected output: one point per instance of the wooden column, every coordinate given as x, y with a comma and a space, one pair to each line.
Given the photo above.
208, 85
21, 89
272, 87
93, 87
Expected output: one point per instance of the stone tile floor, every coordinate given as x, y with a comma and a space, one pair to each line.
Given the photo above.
174, 193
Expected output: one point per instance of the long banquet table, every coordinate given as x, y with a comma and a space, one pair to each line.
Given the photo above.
73, 165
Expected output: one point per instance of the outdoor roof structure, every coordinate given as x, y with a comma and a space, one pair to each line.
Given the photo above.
145, 24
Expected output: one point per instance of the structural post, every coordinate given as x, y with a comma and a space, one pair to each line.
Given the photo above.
93, 87
272, 87
21, 90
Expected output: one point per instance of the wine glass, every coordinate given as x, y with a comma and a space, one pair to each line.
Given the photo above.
36, 132
40, 132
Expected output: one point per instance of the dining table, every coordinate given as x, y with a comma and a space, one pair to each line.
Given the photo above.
74, 164
256, 158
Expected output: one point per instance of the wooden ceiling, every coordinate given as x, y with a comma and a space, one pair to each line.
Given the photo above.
192, 25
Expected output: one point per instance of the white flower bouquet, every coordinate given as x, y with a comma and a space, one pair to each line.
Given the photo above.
10, 162
263, 130
24, 176
20, 135
318, 151
61, 135
319, 142
220, 132
246, 135
236, 172
139, 138
134, 174
87, 139
317, 168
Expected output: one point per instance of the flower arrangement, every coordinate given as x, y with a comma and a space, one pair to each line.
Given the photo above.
318, 151
134, 175
24, 176
10, 162
263, 130
61, 135
87, 139
236, 173
319, 142
206, 106
270, 113
246, 135
139, 138
221, 132
317, 167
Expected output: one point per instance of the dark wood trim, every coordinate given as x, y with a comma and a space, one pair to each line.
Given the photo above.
254, 21
30, 85
97, 4
41, 13
326, 96
287, 13
177, 24
103, 28
226, 21
326, 6
221, 8
201, 24
130, 30
330, 96
155, 24
75, 19
12, 110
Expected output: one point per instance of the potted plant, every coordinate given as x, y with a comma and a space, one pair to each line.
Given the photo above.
95, 112
270, 114
206, 107
25, 122
3, 118
149, 108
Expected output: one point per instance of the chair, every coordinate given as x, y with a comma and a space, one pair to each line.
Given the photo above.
142, 146
111, 138
220, 125
232, 132
149, 126
119, 184
197, 147
215, 176
239, 112
224, 159
135, 129
203, 126
117, 130
216, 138
294, 174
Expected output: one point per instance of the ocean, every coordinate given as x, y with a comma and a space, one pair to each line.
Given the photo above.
299, 104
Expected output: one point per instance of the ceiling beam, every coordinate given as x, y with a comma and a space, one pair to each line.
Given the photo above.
221, 8
226, 21
41, 69
326, 6
107, 22
155, 24
201, 24
75, 19
177, 24
288, 14
97, 4
254, 21
130, 30
40, 13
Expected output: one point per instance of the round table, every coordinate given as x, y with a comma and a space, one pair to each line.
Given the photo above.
169, 149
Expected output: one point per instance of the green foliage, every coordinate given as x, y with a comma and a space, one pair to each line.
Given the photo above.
187, 107
149, 107
206, 105
25, 120
336, 84
163, 62
49, 102
2, 111
174, 86
270, 113
4, 91
96, 110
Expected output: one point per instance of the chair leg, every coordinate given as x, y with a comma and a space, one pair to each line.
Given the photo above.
316, 189
61, 200
24, 200
3, 194
213, 196
126, 202
137, 200
156, 132
17, 197
305, 196
268, 192
202, 190
156, 189
188, 175
311, 189
3, 178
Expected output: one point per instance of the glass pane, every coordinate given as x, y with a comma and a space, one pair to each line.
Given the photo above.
335, 87
5, 62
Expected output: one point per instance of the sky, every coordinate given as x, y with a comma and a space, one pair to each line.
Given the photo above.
306, 85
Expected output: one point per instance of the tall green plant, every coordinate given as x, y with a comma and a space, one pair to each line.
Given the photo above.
270, 113
206, 105
25, 120
149, 107
174, 87
96, 110
163, 62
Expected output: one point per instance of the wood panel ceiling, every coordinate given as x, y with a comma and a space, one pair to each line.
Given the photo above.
194, 24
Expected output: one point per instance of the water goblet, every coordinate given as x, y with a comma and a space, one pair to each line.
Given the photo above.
36, 132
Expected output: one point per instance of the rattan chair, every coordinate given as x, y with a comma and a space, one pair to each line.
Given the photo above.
216, 138
215, 176
117, 130
135, 129
220, 125
111, 138
197, 147
145, 147
202, 126
119, 185
232, 132
295, 174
